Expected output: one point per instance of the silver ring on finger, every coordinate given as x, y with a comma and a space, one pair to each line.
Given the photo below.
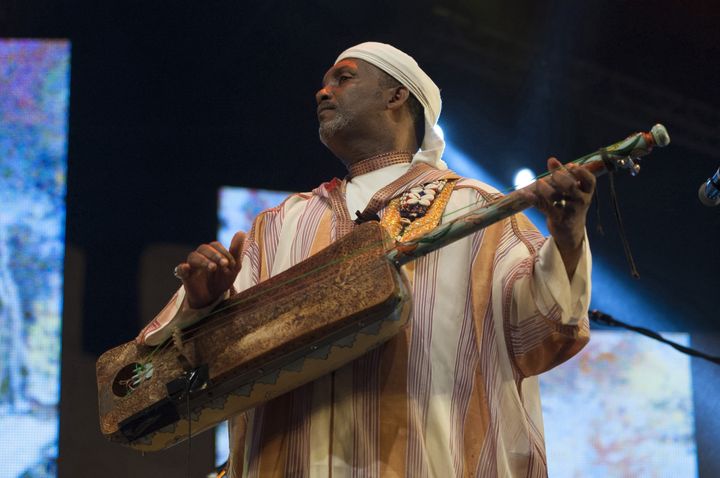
176, 273
560, 203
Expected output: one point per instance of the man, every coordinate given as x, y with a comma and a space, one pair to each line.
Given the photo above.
455, 393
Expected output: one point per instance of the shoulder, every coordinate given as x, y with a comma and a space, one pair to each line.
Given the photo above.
474, 190
471, 192
288, 205
297, 202
293, 207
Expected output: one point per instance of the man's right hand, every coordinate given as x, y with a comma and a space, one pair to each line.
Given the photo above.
210, 270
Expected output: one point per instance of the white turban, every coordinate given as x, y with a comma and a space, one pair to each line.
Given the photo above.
405, 69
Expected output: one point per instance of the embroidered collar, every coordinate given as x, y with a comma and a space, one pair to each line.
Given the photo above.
378, 162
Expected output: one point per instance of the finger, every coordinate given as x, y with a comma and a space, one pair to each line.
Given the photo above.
236, 246
558, 202
561, 178
586, 180
546, 194
182, 270
229, 260
213, 255
556, 168
200, 261
564, 181
528, 195
553, 164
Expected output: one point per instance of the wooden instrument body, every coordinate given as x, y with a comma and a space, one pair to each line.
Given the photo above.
289, 330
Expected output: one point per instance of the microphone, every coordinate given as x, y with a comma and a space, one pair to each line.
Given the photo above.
709, 192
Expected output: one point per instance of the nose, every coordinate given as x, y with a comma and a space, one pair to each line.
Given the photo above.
322, 94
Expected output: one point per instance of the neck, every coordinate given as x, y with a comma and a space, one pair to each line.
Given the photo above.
379, 161
353, 148
358, 151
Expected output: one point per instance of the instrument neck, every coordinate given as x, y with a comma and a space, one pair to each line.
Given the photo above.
403, 252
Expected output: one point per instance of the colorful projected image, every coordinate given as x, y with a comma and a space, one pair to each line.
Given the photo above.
239, 206
34, 89
622, 407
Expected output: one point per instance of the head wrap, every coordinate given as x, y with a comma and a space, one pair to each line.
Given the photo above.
405, 69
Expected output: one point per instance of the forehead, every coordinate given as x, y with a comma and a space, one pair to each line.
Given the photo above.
353, 65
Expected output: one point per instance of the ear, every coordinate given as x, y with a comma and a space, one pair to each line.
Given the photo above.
398, 97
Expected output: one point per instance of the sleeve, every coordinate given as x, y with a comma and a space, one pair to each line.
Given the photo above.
544, 312
572, 296
177, 314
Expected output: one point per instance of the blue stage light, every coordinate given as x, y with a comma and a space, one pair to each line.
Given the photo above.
523, 177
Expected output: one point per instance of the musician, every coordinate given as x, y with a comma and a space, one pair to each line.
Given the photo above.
456, 392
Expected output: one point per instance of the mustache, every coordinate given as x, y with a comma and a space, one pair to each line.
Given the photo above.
325, 105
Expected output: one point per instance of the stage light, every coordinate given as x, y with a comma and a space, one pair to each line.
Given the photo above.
523, 177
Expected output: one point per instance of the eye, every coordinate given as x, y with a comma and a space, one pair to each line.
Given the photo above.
342, 78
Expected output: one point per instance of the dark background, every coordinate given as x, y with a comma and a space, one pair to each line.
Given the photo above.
171, 100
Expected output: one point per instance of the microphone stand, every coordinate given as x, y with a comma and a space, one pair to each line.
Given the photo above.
605, 319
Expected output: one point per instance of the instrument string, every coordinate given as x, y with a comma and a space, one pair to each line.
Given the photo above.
289, 294
233, 308
164, 349
234, 314
508, 190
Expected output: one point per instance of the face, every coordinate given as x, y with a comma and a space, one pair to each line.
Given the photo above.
350, 99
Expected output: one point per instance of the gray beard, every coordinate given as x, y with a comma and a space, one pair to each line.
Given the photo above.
330, 128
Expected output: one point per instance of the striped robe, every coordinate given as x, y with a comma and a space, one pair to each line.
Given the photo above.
455, 393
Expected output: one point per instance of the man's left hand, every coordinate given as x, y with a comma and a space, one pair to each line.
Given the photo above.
564, 197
